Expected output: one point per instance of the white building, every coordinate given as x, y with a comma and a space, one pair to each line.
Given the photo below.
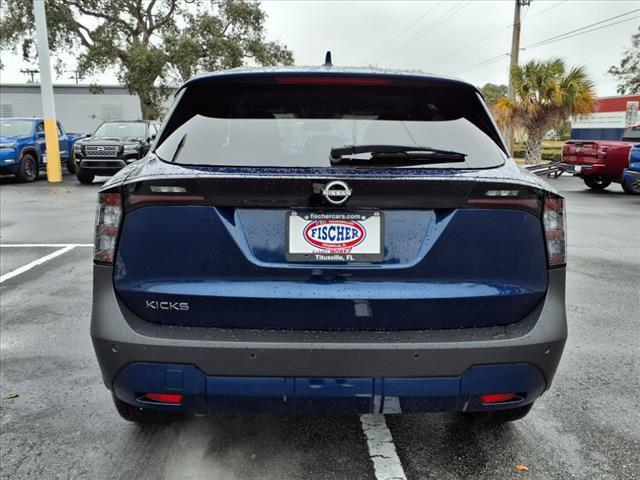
77, 108
611, 117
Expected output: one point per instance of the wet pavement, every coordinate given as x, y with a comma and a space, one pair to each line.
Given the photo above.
57, 419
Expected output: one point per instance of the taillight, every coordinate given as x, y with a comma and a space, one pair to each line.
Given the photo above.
554, 221
108, 215
602, 153
504, 196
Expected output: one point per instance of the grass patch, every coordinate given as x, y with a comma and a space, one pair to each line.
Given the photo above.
551, 150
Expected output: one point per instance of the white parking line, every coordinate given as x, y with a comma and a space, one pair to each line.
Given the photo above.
44, 245
35, 263
382, 451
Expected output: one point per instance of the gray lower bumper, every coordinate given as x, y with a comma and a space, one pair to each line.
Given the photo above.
120, 338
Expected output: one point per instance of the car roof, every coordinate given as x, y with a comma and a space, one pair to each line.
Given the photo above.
31, 119
241, 72
128, 121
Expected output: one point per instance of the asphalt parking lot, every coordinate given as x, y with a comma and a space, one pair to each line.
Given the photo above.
57, 419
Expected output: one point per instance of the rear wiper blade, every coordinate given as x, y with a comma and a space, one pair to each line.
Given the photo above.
178, 148
394, 155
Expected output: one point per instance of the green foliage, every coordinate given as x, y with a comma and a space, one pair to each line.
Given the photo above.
153, 45
493, 92
546, 92
547, 154
628, 72
563, 129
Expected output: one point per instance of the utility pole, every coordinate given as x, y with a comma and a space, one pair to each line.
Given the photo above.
515, 51
31, 72
75, 75
54, 170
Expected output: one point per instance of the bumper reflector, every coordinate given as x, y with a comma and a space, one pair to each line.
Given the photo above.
498, 397
164, 397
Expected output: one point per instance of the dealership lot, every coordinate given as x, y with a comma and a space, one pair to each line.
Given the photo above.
57, 419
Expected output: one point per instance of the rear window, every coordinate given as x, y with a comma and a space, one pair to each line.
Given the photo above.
285, 125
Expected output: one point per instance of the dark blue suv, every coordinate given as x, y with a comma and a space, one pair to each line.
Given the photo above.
323, 239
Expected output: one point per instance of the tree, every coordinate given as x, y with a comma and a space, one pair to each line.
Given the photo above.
563, 129
628, 72
545, 94
153, 44
493, 92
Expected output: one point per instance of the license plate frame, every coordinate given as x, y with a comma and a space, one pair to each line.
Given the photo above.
300, 248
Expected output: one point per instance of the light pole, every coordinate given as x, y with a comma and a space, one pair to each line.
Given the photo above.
54, 169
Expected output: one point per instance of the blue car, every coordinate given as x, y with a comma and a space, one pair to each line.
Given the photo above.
631, 175
328, 240
23, 148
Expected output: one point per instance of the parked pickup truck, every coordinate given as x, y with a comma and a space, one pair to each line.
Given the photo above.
631, 175
23, 148
600, 162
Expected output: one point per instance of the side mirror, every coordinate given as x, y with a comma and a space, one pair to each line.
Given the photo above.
153, 136
40, 134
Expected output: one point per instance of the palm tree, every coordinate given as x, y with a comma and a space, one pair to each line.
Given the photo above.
545, 93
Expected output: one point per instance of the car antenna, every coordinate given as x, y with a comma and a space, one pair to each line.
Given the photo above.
327, 59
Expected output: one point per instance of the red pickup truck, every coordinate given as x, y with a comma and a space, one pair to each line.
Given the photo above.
600, 162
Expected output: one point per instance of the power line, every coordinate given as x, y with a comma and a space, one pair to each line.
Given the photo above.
581, 33
482, 63
555, 38
429, 28
460, 7
568, 34
371, 57
475, 43
472, 44
545, 10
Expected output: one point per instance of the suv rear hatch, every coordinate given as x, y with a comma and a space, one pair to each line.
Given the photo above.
218, 238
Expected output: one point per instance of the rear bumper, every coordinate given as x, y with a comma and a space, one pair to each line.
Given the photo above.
632, 177
591, 169
207, 393
582, 169
431, 365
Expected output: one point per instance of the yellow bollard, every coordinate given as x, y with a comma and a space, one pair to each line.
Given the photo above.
54, 169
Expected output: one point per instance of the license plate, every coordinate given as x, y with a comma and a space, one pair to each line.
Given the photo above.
334, 237
578, 168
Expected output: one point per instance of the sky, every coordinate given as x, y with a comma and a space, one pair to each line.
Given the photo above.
469, 39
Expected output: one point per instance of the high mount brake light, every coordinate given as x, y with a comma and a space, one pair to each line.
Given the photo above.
555, 226
108, 215
338, 80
